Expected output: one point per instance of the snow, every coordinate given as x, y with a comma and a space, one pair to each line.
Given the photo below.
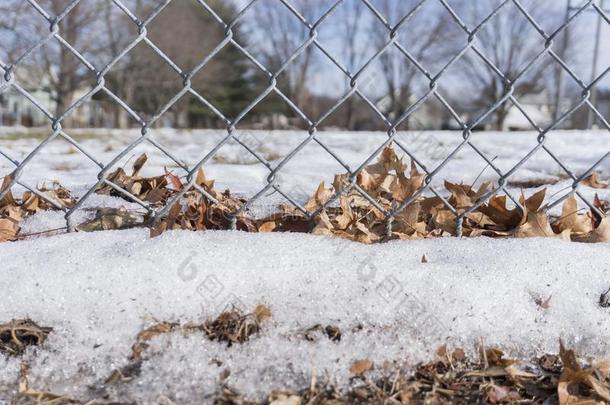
99, 290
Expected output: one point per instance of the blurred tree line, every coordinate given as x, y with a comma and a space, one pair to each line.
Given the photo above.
152, 72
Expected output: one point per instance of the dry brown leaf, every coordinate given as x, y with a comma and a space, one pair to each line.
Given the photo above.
14, 213
570, 220
139, 163
176, 182
599, 235
536, 225
340, 182
366, 181
321, 197
404, 187
147, 335
601, 205
268, 226
346, 218
285, 399
8, 230
8, 199
365, 235
233, 327
497, 211
201, 180
459, 195
360, 367
33, 203
323, 225
151, 189
497, 394
388, 161
156, 195
479, 221
603, 367
574, 375
534, 202
407, 221
285, 221
30, 202
594, 181
446, 221
262, 312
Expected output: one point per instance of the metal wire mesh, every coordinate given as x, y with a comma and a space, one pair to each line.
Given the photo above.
355, 80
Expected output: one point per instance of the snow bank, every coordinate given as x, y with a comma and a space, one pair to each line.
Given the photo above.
99, 290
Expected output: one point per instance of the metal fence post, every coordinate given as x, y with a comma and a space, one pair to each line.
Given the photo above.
598, 39
561, 72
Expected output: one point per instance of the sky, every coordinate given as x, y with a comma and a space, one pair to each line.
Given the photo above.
586, 25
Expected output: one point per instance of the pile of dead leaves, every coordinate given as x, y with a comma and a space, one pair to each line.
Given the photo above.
17, 335
196, 212
234, 327
152, 190
355, 210
13, 211
388, 184
358, 211
193, 211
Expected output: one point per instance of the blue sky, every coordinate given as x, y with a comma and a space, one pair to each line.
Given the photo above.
586, 25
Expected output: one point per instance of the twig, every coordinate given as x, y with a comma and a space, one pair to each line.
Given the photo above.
483, 171
41, 233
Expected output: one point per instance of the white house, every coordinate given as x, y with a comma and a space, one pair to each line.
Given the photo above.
535, 106
15, 109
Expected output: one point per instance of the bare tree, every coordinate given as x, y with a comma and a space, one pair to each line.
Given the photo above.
11, 42
279, 34
510, 43
9, 15
54, 65
353, 41
423, 36
152, 82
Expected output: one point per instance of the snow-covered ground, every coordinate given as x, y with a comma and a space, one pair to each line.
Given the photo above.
99, 290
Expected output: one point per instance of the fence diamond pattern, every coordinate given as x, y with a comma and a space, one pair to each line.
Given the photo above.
232, 131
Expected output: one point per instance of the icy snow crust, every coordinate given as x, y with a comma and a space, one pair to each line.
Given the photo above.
99, 290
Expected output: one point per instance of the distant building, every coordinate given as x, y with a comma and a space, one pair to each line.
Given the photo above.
427, 116
17, 110
536, 107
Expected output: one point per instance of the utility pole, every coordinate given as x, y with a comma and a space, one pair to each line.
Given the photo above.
598, 38
564, 50
566, 42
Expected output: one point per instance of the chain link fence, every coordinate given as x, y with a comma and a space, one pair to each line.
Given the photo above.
232, 126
